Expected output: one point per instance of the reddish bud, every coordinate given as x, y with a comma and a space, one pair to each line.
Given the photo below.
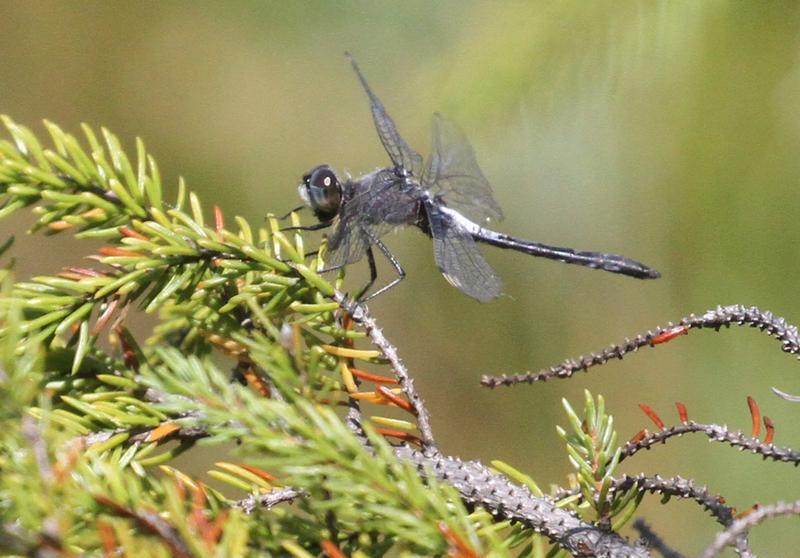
755, 415
399, 434
107, 538
331, 550
114, 251
219, 221
638, 437
458, 547
770, 426
130, 233
682, 412
366, 376
392, 398
652, 415
669, 334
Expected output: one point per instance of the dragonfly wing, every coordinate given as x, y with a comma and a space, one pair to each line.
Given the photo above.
454, 174
459, 259
345, 246
401, 154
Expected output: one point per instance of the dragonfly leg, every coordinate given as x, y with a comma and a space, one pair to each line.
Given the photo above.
350, 304
286, 216
314, 227
401, 273
373, 275
308, 255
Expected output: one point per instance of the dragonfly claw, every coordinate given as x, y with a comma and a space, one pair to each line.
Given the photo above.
351, 305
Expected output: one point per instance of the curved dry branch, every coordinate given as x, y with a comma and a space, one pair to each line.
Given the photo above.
686, 488
270, 499
722, 316
681, 488
742, 525
675, 486
151, 522
715, 433
361, 315
479, 486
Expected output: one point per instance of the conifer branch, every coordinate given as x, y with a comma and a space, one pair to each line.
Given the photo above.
362, 316
101, 408
714, 433
504, 499
269, 500
743, 524
722, 316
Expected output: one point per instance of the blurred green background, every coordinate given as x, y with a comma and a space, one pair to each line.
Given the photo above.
666, 131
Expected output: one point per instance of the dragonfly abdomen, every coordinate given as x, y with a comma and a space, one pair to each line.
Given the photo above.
613, 263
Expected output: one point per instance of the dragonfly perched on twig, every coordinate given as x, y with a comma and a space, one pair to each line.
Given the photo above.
446, 198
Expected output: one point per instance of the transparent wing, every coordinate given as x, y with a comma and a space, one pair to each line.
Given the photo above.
454, 174
377, 204
401, 154
344, 247
459, 259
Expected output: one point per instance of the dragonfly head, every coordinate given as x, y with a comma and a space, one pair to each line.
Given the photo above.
322, 191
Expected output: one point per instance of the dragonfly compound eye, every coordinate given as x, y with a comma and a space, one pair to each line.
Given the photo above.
324, 191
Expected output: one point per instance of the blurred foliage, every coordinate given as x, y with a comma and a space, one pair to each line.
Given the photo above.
667, 131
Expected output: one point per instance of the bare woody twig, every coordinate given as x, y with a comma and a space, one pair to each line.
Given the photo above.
681, 488
786, 396
687, 489
18, 541
142, 434
478, 486
150, 522
715, 433
678, 487
270, 499
361, 315
743, 524
726, 316
32, 431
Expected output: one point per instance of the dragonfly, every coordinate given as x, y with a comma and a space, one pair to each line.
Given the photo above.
447, 198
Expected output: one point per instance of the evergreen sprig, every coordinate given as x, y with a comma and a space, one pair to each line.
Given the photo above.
594, 454
254, 350
108, 416
309, 447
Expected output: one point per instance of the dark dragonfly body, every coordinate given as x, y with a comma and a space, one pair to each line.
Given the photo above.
446, 198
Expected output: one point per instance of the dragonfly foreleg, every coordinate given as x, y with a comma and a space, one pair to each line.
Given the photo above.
314, 227
286, 216
309, 254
